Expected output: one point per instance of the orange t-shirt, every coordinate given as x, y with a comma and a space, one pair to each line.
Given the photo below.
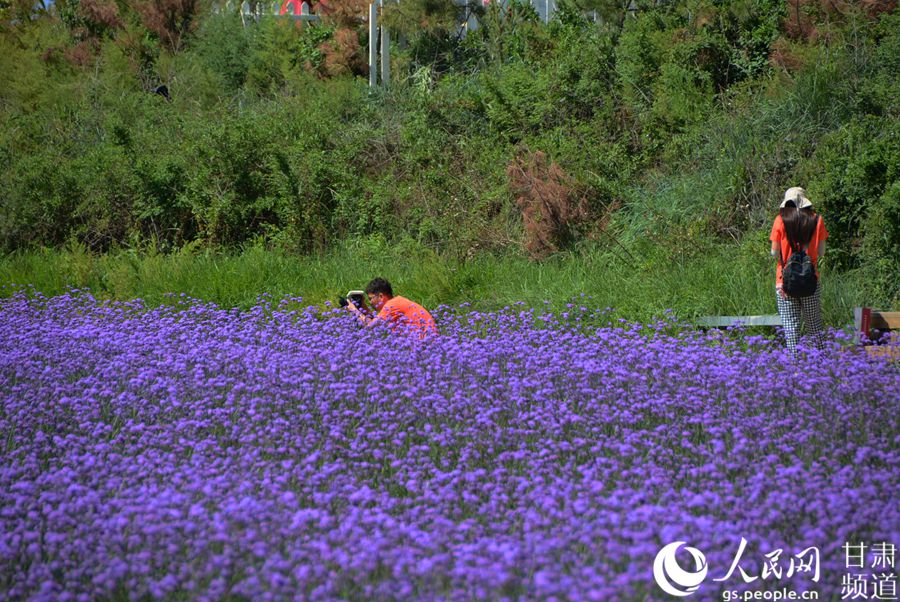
400, 309
780, 236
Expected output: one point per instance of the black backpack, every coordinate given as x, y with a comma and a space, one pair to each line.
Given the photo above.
799, 275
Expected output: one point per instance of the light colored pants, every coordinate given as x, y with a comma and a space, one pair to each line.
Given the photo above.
798, 312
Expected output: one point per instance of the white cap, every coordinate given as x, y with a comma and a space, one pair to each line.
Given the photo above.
797, 196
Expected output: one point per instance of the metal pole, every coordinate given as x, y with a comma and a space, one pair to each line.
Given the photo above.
385, 53
373, 48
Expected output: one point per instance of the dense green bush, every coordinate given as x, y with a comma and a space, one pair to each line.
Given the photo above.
680, 127
224, 48
854, 177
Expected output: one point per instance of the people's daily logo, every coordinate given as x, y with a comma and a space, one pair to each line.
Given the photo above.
761, 578
673, 579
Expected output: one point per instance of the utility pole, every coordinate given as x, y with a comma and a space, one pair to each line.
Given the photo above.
385, 51
373, 45
374, 6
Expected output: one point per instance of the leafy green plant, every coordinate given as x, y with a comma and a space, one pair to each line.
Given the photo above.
853, 175
223, 45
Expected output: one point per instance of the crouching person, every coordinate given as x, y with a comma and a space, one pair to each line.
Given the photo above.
394, 311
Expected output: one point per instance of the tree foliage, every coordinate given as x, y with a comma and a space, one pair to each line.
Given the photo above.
680, 123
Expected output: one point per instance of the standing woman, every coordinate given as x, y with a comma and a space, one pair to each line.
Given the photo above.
798, 227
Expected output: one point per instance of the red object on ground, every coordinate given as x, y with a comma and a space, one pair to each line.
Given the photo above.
865, 326
296, 7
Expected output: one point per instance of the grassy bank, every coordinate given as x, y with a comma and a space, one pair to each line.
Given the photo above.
681, 126
642, 285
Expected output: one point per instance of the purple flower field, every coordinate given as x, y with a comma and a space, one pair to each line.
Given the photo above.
193, 453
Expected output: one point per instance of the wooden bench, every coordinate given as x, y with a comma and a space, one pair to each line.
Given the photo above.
726, 321
865, 319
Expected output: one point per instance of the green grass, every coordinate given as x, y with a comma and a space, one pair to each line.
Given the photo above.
734, 279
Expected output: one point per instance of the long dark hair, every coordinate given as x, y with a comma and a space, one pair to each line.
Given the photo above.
799, 225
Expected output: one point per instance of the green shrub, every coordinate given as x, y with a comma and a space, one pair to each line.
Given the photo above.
640, 54
849, 174
223, 45
507, 32
853, 179
681, 127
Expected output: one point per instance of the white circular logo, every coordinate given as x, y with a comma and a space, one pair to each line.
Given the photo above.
671, 577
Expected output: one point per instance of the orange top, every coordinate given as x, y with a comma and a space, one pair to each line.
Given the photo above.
399, 309
780, 236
